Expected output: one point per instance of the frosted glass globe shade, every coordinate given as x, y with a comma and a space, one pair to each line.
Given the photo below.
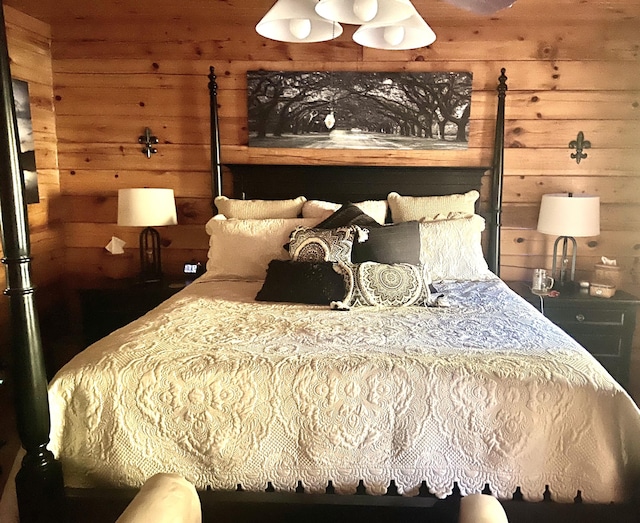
394, 34
365, 10
300, 27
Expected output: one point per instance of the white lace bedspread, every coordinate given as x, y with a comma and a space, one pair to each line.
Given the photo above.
225, 391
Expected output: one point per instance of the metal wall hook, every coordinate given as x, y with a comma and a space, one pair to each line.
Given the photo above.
578, 144
148, 140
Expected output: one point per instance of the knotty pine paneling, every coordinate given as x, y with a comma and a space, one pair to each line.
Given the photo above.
238, 14
111, 80
163, 101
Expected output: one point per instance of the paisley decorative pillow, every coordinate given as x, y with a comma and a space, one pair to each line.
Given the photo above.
389, 285
318, 245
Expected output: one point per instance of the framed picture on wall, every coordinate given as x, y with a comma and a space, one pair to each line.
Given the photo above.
359, 110
25, 133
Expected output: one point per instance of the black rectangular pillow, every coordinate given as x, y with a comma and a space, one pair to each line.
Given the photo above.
348, 214
397, 243
302, 282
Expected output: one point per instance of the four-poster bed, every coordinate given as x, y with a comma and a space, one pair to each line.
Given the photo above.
91, 477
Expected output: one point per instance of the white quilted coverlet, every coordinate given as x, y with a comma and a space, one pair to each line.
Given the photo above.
224, 391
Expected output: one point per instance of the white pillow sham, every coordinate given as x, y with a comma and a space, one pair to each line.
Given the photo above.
242, 249
407, 208
377, 209
259, 209
452, 249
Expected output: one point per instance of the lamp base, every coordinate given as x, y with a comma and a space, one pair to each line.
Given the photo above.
567, 287
150, 265
560, 262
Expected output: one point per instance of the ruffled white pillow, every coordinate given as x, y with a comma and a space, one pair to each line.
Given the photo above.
452, 248
259, 209
407, 208
242, 249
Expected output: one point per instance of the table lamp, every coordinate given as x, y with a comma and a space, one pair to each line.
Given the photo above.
147, 208
568, 217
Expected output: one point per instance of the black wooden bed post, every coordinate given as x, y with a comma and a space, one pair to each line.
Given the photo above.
39, 482
497, 178
216, 166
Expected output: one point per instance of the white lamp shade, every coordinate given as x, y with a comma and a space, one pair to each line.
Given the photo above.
411, 33
146, 207
297, 21
482, 7
567, 215
348, 11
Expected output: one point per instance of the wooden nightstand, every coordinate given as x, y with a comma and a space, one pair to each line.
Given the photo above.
113, 305
603, 326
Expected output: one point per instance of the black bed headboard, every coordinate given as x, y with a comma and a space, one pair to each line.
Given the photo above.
342, 183
346, 183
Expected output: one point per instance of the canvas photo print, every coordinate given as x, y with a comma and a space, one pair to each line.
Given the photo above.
355, 110
25, 133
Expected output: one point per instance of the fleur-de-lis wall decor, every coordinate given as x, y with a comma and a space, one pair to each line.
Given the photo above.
579, 144
148, 140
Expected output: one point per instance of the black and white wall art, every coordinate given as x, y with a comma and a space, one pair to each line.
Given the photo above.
356, 110
25, 132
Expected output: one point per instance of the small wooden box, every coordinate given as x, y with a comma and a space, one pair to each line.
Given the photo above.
608, 274
602, 290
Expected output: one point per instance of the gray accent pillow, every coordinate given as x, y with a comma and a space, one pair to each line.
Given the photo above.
398, 243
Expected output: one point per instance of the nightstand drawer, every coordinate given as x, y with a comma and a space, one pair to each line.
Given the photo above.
585, 316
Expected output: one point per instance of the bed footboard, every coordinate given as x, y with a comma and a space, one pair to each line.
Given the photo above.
277, 507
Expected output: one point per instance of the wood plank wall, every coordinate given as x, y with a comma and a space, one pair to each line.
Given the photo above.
29, 42
120, 66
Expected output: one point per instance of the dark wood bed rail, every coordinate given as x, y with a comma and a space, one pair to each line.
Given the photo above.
495, 220
39, 482
216, 165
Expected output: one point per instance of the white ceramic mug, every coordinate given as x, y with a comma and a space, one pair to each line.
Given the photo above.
541, 283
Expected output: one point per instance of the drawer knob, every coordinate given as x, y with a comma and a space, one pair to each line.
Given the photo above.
580, 317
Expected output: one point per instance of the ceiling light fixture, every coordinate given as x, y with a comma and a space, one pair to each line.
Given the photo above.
384, 24
365, 11
297, 21
411, 33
